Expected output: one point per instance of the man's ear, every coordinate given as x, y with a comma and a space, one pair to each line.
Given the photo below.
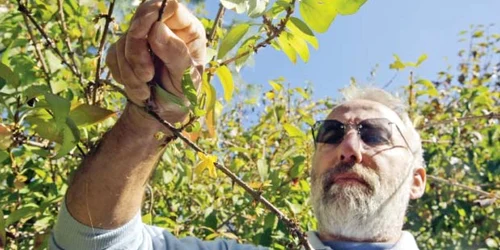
418, 184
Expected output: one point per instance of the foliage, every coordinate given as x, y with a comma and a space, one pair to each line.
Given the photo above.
58, 100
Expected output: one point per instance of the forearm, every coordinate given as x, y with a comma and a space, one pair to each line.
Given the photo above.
106, 191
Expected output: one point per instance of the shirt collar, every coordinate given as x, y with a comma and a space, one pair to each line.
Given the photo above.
406, 242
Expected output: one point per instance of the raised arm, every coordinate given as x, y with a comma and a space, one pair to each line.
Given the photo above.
106, 191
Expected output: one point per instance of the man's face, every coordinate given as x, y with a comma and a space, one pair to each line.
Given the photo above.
358, 186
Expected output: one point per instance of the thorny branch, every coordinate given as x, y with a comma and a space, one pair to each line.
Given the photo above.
49, 43
108, 18
273, 32
292, 226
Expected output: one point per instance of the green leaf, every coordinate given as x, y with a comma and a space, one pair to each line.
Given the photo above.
3, 155
85, 114
269, 221
2, 227
247, 45
318, 14
70, 137
59, 106
35, 91
286, 47
232, 38
226, 79
348, 7
300, 46
188, 88
298, 166
166, 96
276, 86
294, 207
478, 34
430, 88
25, 212
397, 64
45, 129
293, 131
421, 59
263, 169
256, 7
10, 78
298, 28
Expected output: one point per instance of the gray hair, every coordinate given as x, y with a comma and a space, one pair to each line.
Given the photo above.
395, 104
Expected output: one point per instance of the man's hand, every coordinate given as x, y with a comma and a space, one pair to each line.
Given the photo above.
107, 190
179, 43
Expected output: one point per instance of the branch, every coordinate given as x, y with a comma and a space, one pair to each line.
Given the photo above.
38, 52
465, 118
217, 21
290, 224
115, 87
462, 186
49, 43
392, 80
101, 47
272, 34
64, 29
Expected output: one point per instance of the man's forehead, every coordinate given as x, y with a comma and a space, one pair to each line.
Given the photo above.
357, 110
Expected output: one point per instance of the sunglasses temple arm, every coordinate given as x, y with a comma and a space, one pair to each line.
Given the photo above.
401, 133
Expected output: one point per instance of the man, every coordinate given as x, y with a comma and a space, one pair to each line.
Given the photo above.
367, 165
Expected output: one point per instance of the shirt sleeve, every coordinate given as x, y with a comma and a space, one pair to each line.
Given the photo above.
68, 234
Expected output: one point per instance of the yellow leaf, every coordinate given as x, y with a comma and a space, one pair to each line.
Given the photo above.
226, 79
206, 162
270, 95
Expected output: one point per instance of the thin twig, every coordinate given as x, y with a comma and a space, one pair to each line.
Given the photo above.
36, 144
456, 184
22, 8
64, 30
392, 80
38, 52
99, 51
274, 33
435, 142
115, 87
217, 21
466, 118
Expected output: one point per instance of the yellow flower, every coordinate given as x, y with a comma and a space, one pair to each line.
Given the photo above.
206, 162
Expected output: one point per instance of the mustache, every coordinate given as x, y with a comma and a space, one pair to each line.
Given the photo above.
366, 174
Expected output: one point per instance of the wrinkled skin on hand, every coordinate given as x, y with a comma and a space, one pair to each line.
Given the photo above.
178, 41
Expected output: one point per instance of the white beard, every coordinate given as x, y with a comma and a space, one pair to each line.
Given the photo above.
358, 212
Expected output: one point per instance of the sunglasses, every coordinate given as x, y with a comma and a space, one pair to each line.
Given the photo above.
373, 132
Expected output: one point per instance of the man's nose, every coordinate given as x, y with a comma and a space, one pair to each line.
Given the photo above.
350, 148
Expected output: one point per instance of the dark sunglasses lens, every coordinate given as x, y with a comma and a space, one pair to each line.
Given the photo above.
330, 131
375, 132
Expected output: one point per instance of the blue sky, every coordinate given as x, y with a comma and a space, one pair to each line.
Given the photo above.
355, 44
